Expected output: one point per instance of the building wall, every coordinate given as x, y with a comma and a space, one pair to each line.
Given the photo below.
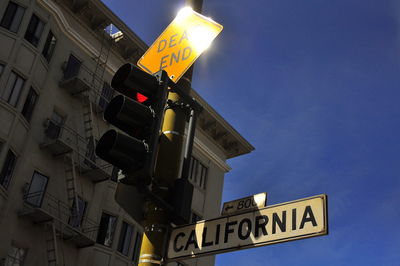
26, 140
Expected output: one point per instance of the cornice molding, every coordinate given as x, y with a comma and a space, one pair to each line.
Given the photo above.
202, 148
65, 27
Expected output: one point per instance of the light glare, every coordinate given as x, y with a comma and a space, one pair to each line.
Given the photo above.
183, 13
200, 37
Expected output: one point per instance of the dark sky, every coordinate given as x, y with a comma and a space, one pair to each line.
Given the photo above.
314, 86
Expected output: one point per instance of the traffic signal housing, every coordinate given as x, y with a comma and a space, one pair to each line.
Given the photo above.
138, 111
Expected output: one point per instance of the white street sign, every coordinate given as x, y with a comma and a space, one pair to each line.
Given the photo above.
245, 204
273, 224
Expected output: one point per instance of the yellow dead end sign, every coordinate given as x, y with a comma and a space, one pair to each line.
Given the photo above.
181, 43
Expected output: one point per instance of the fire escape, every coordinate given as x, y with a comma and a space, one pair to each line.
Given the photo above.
66, 219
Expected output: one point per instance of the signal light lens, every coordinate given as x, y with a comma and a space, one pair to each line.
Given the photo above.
128, 115
141, 98
121, 150
130, 80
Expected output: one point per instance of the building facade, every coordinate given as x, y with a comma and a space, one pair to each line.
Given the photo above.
57, 206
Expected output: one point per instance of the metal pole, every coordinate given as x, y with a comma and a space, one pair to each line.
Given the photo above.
189, 144
168, 169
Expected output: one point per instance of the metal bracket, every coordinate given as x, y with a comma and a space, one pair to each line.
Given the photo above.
176, 104
186, 97
153, 112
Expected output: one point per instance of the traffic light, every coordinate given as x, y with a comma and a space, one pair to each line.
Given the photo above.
138, 112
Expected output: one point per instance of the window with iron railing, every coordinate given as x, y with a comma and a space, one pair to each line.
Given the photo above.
72, 67
90, 156
37, 189
53, 130
12, 17
77, 212
106, 95
54, 126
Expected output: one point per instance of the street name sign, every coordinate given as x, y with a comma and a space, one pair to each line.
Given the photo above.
181, 43
283, 222
245, 204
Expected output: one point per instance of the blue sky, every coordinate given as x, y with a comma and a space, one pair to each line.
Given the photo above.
314, 86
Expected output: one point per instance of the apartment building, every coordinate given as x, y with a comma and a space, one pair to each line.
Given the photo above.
57, 206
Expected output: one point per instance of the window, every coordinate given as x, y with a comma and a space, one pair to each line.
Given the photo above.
197, 173
55, 124
78, 212
106, 229
116, 174
72, 68
12, 17
49, 46
125, 238
8, 169
195, 217
136, 247
15, 256
1, 69
90, 157
29, 104
34, 30
106, 95
13, 89
37, 189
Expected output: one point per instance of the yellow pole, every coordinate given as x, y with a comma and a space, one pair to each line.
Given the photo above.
167, 171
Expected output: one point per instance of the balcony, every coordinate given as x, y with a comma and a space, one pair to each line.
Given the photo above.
40, 207
100, 100
76, 78
61, 140
96, 170
58, 139
80, 81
